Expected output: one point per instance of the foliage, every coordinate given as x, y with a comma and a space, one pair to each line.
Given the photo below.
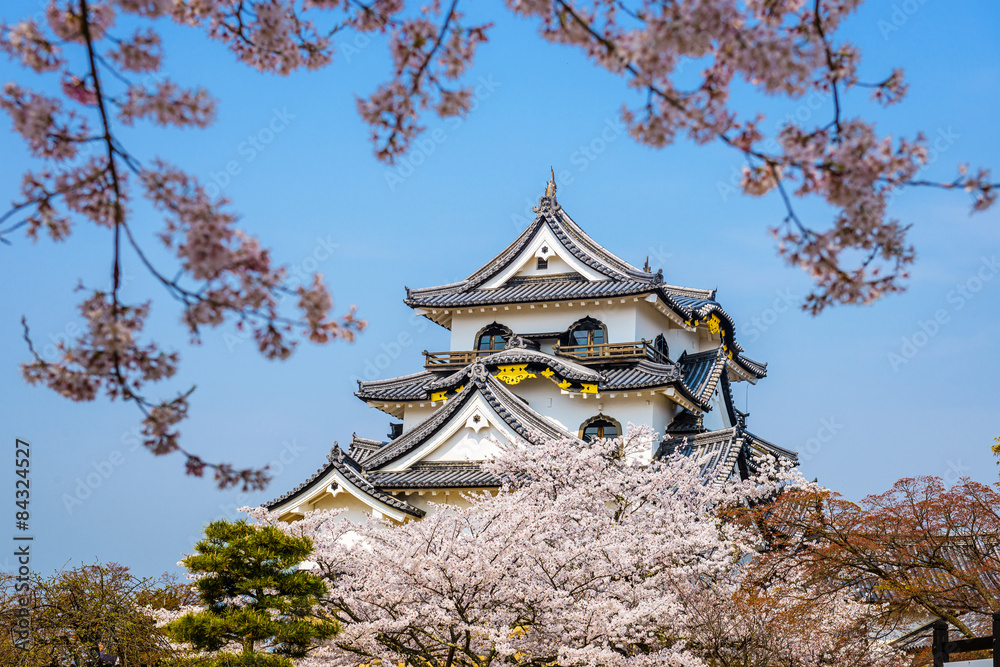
254, 597
79, 614
111, 80
591, 556
996, 447
918, 547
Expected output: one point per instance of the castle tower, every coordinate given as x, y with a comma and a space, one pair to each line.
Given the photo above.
555, 337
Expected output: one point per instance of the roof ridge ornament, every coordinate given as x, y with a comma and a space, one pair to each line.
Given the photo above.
516, 342
477, 371
549, 198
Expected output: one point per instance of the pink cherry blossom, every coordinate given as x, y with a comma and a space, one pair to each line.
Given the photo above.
589, 555
782, 49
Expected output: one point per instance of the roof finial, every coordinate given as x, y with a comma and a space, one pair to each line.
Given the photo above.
550, 189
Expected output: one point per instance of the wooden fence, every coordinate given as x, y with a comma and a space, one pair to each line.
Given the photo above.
943, 647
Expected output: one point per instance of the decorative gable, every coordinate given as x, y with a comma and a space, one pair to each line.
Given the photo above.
469, 435
554, 256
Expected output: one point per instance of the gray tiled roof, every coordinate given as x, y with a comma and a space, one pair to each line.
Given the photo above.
691, 308
640, 374
556, 288
401, 388
516, 291
720, 450
362, 448
572, 238
513, 410
520, 355
755, 367
702, 372
425, 475
763, 447
696, 378
622, 277
352, 470
685, 423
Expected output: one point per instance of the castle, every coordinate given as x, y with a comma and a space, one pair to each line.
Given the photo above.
555, 337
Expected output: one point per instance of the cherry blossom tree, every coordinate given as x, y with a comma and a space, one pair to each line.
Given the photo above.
588, 555
784, 48
921, 547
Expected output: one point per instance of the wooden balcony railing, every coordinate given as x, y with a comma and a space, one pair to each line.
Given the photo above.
606, 352
445, 360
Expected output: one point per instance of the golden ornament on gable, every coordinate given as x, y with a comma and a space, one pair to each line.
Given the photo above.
514, 373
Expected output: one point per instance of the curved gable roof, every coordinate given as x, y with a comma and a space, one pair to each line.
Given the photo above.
512, 410
574, 241
342, 469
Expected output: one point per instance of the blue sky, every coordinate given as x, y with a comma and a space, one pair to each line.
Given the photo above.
315, 194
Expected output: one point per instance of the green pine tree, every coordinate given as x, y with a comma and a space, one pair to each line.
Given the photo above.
254, 596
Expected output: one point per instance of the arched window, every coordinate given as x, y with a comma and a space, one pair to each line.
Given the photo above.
588, 331
600, 426
492, 338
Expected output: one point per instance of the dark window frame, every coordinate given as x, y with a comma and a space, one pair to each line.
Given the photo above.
601, 422
592, 327
494, 331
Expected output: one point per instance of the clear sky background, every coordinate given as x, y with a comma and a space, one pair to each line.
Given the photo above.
316, 196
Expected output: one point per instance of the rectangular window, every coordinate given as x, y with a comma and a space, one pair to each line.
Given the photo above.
543, 263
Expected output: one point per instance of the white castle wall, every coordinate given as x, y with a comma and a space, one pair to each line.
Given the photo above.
649, 322
632, 320
654, 410
357, 511
428, 499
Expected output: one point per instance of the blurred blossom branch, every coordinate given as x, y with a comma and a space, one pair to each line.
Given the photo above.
785, 48
223, 272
